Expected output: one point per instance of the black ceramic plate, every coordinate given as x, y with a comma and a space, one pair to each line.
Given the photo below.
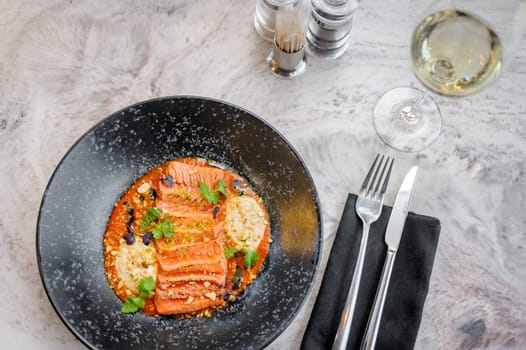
108, 158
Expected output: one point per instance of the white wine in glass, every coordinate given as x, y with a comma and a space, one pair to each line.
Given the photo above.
456, 50
455, 53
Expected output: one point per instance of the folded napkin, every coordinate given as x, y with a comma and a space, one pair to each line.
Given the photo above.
407, 289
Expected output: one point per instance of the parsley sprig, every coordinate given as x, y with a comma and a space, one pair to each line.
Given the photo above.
135, 303
230, 252
213, 196
147, 220
161, 228
249, 257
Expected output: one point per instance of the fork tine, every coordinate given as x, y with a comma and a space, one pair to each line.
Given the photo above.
366, 180
374, 180
381, 180
386, 181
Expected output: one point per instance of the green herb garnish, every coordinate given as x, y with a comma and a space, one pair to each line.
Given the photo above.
250, 258
212, 196
163, 229
146, 286
221, 187
147, 220
135, 303
132, 304
230, 252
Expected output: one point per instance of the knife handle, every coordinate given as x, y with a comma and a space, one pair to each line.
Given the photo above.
371, 332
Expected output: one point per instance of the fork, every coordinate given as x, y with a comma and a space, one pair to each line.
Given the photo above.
368, 208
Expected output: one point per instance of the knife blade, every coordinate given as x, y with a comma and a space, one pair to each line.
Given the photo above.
396, 223
393, 234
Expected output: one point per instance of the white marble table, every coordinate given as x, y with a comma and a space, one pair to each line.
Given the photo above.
65, 65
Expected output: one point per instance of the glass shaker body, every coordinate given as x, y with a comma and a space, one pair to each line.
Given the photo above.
265, 17
329, 27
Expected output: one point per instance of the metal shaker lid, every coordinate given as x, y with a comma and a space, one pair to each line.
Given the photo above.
335, 10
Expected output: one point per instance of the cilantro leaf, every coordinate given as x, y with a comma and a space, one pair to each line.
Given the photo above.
207, 194
145, 223
163, 229
250, 258
221, 187
132, 304
146, 286
138, 301
203, 188
157, 233
230, 252
129, 307
213, 197
167, 228
153, 213
148, 219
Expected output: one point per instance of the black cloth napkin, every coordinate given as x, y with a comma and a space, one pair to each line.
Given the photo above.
407, 289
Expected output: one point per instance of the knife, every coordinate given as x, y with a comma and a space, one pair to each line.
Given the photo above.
393, 234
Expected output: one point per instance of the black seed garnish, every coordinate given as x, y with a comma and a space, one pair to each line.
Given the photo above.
215, 212
130, 238
238, 276
147, 238
236, 185
169, 181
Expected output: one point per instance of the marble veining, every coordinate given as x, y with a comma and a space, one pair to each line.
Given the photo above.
65, 65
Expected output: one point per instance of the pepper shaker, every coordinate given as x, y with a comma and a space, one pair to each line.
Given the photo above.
329, 27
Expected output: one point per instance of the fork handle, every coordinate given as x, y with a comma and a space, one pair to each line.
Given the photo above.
373, 324
344, 328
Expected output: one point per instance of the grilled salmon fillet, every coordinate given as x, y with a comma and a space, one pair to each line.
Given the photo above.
200, 221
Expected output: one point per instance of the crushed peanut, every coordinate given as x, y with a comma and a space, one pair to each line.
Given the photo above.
143, 188
211, 295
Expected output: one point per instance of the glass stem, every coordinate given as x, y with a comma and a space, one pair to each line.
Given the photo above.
412, 114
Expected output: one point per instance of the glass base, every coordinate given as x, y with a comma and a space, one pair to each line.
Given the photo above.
407, 119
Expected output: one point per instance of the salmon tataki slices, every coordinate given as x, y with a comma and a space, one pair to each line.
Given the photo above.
185, 239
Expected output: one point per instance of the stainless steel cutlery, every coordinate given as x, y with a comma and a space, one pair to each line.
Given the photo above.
368, 208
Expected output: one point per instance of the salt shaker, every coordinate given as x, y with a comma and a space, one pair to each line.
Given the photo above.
329, 27
265, 16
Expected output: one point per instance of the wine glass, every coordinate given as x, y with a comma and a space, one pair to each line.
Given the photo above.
457, 49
